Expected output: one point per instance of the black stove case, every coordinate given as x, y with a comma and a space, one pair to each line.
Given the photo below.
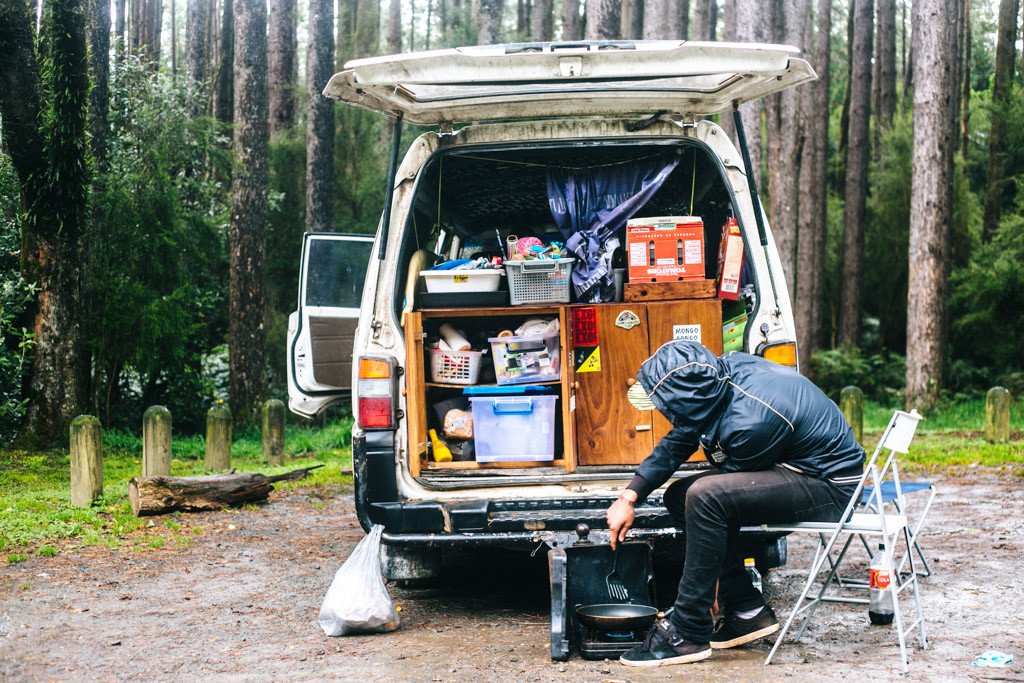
577, 574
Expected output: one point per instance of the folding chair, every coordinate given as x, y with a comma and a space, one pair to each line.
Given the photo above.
873, 523
889, 496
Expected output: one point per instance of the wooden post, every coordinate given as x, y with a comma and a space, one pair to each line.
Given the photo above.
218, 438
273, 431
156, 442
851, 402
997, 415
86, 460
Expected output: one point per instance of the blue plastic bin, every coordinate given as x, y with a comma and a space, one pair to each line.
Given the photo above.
514, 428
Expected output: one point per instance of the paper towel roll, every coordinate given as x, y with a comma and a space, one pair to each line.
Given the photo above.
455, 340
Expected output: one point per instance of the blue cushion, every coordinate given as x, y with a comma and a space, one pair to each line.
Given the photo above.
889, 490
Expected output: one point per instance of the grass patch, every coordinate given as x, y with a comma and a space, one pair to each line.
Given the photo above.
35, 506
947, 417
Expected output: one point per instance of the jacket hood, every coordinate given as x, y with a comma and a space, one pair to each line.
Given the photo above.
686, 382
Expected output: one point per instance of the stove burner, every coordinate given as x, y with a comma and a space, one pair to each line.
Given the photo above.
618, 635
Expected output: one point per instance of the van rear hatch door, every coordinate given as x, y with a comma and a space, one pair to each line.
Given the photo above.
544, 80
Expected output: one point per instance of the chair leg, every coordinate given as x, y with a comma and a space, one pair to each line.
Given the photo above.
917, 595
824, 586
816, 565
898, 617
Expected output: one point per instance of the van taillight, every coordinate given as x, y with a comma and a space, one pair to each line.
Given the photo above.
783, 354
375, 393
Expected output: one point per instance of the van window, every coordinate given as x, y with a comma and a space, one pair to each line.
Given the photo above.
335, 272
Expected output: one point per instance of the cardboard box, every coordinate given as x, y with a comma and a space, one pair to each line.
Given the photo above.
665, 249
730, 261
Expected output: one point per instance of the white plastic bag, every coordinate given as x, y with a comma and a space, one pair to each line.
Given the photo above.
357, 601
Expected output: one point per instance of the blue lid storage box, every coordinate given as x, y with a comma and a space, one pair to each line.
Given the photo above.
514, 428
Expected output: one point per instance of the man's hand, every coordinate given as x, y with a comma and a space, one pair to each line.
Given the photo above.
620, 516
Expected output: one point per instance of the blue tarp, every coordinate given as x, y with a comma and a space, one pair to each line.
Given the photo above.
591, 205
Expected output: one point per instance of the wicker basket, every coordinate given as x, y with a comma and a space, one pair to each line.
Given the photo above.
539, 282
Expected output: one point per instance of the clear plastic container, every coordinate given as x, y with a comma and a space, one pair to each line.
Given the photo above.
514, 428
526, 359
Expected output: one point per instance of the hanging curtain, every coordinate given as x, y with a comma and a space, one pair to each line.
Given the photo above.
591, 206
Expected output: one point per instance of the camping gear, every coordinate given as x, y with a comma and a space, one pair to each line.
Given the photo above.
730, 261
455, 367
889, 528
514, 428
541, 281
441, 452
583, 620
526, 358
665, 249
616, 589
455, 281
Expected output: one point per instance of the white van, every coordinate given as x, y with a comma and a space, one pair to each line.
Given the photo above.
507, 119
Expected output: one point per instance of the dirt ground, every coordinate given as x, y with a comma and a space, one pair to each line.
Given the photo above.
241, 601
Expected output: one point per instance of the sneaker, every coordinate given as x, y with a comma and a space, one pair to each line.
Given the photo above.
664, 646
735, 631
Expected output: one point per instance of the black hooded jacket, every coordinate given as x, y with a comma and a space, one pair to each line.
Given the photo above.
747, 413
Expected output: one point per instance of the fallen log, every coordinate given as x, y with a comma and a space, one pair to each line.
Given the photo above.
158, 495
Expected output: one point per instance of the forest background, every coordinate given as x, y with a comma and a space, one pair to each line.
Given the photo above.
162, 159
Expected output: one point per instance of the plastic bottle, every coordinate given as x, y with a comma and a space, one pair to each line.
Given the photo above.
755, 576
880, 604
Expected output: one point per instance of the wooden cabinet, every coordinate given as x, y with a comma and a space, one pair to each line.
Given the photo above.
596, 424
610, 431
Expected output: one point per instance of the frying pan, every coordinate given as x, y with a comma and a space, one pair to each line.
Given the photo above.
617, 617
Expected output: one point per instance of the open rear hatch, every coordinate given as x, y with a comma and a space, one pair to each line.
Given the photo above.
543, 80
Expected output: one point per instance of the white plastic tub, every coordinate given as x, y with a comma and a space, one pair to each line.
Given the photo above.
514, 428
448, 281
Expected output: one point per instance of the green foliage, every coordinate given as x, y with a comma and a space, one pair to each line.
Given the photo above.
156, 264
880, 375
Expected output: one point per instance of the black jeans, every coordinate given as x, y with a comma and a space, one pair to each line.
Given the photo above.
711, 507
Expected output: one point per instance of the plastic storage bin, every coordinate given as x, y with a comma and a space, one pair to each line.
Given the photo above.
513, 428
539, 282
526, 359
484, 280
455, 367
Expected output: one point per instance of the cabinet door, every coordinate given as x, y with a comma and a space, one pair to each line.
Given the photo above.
609, 430
676, 319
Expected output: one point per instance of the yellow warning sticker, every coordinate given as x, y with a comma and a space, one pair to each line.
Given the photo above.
460, 278
592, 363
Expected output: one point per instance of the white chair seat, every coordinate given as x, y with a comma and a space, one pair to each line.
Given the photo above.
860, 523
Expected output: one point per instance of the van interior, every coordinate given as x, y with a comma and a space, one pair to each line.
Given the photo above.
467, 203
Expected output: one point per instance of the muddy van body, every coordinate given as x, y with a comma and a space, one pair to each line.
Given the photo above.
502, 118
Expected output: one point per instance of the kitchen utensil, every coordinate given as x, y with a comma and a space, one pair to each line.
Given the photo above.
616, 589
617, 617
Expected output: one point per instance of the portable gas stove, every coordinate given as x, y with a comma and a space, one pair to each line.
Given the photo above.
577, 574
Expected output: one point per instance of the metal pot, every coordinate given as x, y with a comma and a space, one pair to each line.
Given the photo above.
617, 617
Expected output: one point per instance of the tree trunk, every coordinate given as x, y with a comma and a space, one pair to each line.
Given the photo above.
572, 28
345, 44
160, 495
282, 43
156, 24
844, 119
223, 102
751, 27
885, 70
931, 211
542, 20
319, 119
174, 41
966, 96
523, 19
785, 141
856, 191
367, 28
247, 301
197, 24
813, 207
395, 27
602, 19
632, 17
997, 185
704, 18
655, 16
54, 186
99, 75
119, 37
488, 21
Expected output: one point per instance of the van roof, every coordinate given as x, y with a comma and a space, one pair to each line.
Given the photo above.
557, 80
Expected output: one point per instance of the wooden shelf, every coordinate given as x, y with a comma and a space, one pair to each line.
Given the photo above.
473, 465
441, 385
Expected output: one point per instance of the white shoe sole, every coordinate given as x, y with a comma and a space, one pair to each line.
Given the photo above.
748, 638
683, 659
